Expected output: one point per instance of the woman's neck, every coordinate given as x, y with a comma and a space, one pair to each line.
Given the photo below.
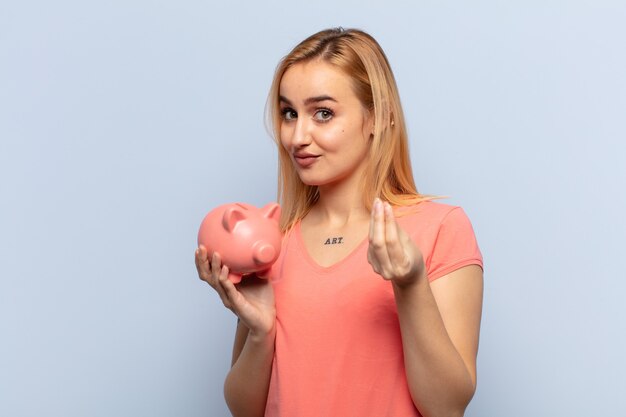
338, 205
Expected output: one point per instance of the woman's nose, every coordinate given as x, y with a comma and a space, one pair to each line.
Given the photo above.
301, 134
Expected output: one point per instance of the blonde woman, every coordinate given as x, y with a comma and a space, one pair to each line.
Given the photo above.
374, 306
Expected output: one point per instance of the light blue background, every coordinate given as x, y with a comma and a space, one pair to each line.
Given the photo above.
123, 122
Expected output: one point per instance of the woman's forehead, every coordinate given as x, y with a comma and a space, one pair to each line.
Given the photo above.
315, 79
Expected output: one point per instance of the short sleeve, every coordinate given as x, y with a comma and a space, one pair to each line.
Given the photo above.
455, 246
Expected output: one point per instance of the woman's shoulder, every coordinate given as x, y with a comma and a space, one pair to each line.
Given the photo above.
434, 216
444, 234
432, 211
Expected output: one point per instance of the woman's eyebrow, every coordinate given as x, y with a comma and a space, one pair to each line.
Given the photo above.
309, 100
285, 100
318, 99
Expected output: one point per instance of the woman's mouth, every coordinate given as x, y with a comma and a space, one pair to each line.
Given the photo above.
305, 160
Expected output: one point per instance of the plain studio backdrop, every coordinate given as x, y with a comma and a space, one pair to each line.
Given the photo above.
122, 123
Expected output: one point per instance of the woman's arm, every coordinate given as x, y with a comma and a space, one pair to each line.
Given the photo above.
440, 324
252, 300
439, 321
248, 380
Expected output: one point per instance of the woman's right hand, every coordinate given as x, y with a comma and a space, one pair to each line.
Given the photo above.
252, 300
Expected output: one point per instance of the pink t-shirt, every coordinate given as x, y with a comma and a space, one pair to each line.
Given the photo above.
338, 343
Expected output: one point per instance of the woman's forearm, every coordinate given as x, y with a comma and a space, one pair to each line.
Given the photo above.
247, 382
439, 380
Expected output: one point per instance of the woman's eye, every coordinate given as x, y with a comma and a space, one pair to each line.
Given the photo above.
323, 115
289, 114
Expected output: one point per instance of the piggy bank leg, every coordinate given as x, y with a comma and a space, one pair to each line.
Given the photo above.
234, 278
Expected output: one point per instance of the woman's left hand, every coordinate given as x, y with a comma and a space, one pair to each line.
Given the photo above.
391, 252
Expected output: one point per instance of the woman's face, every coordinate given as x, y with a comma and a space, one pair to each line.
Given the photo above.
324, 127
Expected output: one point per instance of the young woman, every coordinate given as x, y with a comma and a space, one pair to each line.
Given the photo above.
373, 307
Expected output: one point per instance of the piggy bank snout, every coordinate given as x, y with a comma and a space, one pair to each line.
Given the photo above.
263, 253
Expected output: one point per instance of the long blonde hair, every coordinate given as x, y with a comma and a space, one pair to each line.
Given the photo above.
388, 174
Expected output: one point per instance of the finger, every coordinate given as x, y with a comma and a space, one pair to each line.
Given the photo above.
395, 250
202, 264
230, 290
377, 228
221, 287
378, 242
372, 262
199, 257
370, 250
369, 258
372, 219
216, 265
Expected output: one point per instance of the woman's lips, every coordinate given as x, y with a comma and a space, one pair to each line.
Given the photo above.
305, 160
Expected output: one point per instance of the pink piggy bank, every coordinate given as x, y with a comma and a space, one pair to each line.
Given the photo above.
247, 238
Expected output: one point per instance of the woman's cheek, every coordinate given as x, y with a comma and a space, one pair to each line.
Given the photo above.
331, 139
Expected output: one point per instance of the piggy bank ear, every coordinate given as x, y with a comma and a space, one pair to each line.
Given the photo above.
271, 211
232, 216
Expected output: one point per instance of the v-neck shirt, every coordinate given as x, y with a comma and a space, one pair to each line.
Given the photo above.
338, 349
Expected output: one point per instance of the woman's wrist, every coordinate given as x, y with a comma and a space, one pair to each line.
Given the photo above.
415, 280
262, 336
